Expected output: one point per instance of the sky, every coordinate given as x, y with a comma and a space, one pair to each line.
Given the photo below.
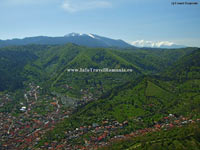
129, 20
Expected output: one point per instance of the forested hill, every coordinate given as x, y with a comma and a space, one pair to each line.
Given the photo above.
38, 63
13, 61
187, 67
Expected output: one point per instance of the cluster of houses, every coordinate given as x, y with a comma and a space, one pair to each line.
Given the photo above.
5, 99
165, 123
24, 130
104, 134
100, 135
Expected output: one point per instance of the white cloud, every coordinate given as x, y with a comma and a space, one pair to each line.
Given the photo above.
80, 5
143, 43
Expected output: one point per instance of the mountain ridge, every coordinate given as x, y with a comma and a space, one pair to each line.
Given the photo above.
89, 40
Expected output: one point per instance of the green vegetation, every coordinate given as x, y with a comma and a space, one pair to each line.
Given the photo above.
186, 68
37, 63
175, 139
147, 100
163, 82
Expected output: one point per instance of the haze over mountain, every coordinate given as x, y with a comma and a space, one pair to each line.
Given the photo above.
90, 40
158, 44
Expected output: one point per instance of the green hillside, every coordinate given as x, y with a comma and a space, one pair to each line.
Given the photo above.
186, 68
152, 61
141, 103
13, 60
50, 63
101, 81
184, 138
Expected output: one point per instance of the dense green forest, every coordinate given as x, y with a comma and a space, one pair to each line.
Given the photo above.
41, 63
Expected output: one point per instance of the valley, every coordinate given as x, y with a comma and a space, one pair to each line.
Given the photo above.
45, 106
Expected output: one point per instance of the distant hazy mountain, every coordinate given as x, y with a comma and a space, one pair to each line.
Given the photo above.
158, 44
90, 40
172, 46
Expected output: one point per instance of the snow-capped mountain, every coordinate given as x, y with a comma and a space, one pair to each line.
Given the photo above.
79, 34
90, 40
157, 44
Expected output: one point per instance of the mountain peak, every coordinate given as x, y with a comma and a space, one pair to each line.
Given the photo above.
91, 35
73, 34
